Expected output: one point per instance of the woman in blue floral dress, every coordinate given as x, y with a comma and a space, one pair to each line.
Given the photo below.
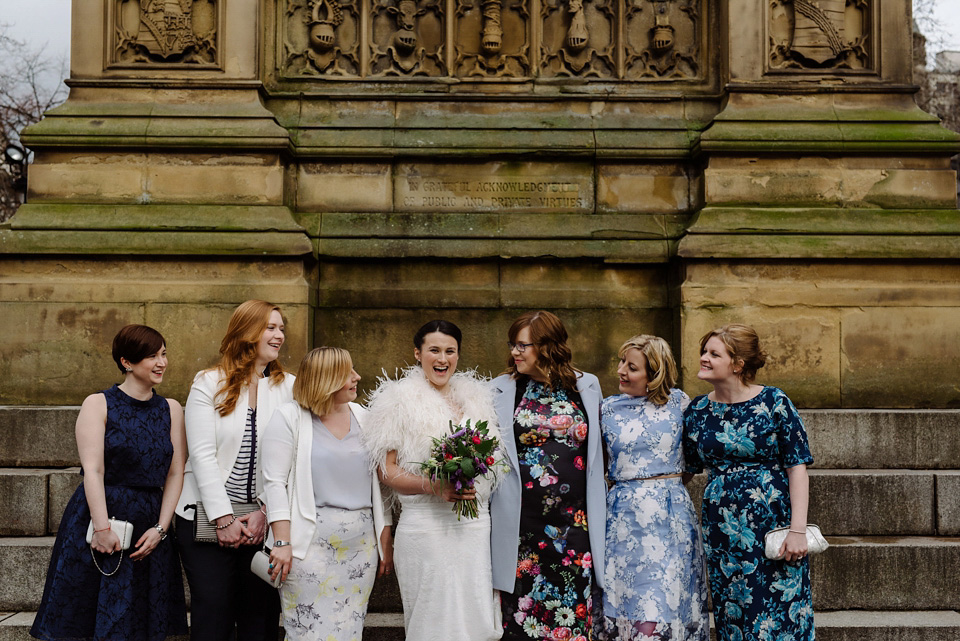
754, 445
655, 576
547, 563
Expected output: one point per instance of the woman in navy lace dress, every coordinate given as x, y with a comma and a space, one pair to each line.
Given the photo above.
754, 445
132, 449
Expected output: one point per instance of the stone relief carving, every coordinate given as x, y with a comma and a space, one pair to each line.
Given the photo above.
820, 35
635, 40
408, 38
662, 39
492, 39
578, 38
322, 37
165, 31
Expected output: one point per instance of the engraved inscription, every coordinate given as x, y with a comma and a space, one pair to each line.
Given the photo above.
417, 193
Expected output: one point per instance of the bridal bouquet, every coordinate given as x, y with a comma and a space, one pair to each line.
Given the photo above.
460, 458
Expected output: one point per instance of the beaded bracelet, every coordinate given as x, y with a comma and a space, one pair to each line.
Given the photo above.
224, 527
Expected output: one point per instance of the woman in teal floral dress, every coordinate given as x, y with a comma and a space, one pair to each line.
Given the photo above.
548, 514
754, 445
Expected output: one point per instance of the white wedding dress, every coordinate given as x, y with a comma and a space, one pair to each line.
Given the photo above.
443, 565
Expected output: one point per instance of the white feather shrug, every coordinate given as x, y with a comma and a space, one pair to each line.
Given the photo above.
405, 413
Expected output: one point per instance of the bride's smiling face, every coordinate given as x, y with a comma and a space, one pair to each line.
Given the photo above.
438, 356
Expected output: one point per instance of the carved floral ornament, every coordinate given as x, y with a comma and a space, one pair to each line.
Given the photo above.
164, 32
492, 39
820, 35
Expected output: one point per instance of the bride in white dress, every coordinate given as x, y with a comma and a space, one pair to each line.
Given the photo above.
442, 564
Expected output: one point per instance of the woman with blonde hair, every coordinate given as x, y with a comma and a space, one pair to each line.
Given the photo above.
326, 514
752, 440
547, 563
226, 409
655, 577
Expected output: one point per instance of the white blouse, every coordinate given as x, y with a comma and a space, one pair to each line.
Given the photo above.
340, 468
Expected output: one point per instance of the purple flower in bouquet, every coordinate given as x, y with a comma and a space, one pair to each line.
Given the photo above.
460, 458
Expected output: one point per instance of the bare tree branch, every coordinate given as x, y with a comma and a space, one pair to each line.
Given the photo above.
31, 83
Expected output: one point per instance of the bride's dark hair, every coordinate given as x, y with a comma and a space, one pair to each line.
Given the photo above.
442, 326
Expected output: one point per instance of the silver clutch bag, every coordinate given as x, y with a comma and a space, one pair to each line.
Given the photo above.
260, 565
773, 541
123, 530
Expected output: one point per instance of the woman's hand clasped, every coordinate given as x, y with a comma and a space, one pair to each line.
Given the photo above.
794, 546
235, 534
256, 524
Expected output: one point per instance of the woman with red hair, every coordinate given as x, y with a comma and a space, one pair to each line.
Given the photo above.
226, 410
547, 564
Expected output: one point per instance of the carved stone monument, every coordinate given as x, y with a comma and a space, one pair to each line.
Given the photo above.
659, 166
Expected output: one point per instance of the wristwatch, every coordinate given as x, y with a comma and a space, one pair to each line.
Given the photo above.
280, 544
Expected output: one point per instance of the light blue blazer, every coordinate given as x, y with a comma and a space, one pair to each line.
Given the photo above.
505, 502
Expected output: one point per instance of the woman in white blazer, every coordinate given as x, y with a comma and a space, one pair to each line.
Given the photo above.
547, 563
325, 505
226, 409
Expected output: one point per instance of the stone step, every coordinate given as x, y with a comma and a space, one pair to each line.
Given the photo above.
877, 502
24, 562
842, 502
33, 499
15, 626
32, 436
887, 573
842, 625
884, 439
38, 436
876, 573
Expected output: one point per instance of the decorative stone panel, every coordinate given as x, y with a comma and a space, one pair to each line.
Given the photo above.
821, 35
164, 32
507, 40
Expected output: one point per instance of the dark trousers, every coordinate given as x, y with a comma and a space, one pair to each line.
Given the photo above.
224, 594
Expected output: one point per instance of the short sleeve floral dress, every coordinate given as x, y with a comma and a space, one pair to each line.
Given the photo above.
747, 448
654, 563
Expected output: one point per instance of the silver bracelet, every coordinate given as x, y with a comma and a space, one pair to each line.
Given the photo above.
798, 532
159, 528
224, 527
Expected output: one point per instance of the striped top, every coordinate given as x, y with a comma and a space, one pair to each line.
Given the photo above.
241, 486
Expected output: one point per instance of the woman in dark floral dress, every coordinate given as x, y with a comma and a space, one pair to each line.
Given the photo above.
753, 443
547, 560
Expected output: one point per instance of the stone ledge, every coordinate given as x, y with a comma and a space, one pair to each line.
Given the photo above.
884, 439
38, 436
886, 573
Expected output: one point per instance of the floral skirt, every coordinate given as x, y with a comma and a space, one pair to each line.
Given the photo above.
325, 595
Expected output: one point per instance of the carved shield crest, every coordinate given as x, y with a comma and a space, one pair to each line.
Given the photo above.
166, 27
818, 29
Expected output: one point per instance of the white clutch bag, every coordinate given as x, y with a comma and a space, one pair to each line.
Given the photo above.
260, 565
773, 541
123, 530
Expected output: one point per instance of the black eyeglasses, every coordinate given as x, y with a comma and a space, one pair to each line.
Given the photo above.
520, 347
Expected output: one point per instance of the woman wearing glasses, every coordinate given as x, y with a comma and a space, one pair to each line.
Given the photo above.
547, 564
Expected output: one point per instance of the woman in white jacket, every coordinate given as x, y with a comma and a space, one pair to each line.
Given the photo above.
226, 410
325, 506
